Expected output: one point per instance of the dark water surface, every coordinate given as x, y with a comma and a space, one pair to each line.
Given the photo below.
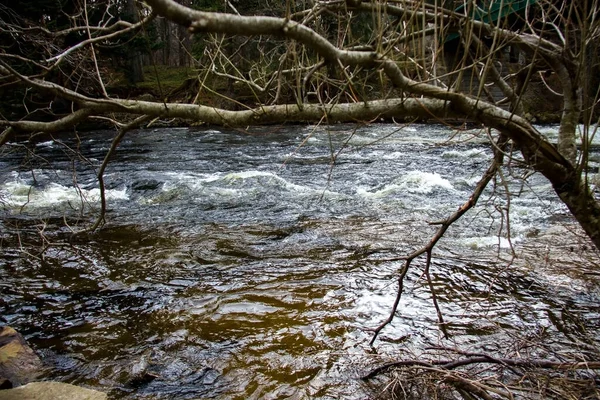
252, 265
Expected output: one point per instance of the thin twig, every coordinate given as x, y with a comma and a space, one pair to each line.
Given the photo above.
444, 225
113, 147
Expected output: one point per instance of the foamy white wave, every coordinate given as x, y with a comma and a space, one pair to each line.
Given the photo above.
551, 132
468, 154
171, 191
371, 307
23, 196
482, 242
395, 155
594, 135
527, 215
424, 182
468, 181
413, 182
388, 189
232, 185
533, 209
296, 156
49, 143
248, 174
179, 184
270, 178
192, 178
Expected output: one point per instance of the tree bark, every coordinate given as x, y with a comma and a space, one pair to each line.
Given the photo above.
136, 71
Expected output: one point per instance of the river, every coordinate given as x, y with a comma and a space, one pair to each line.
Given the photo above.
254, 264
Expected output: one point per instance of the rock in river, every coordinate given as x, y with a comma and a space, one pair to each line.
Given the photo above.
18, 362
51, 391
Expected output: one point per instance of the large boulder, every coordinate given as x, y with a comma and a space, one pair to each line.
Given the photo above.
18, 362
51, 391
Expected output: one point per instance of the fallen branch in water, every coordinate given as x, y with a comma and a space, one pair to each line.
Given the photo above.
486, 359
482, 376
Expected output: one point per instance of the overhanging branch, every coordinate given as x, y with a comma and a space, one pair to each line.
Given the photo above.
443, 227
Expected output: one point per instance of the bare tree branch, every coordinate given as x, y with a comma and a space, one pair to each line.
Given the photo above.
444, 225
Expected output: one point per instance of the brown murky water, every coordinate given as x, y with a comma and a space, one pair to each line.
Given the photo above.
244, 267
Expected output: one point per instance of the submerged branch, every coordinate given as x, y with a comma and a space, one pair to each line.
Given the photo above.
485, 359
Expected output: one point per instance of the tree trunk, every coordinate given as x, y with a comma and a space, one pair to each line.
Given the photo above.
136, 72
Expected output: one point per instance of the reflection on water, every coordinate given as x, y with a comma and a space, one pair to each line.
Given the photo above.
243, 266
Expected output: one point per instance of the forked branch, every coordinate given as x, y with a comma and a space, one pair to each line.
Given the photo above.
443, 227
113, 148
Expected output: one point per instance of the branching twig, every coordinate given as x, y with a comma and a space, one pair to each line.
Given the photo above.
444, 225
485, 359
113, 147
91, 40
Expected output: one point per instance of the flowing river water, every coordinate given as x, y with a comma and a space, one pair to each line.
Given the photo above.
251, 265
